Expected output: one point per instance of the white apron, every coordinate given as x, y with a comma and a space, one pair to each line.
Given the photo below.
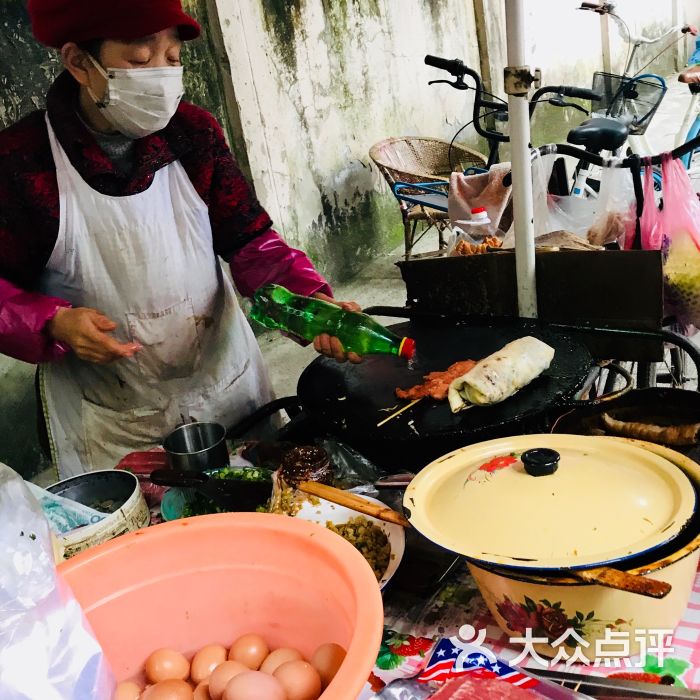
147, 262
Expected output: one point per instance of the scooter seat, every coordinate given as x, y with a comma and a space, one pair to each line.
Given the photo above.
599, 134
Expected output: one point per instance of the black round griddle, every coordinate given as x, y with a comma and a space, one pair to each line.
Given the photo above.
350, 400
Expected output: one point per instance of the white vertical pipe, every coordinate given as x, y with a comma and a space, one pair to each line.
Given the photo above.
519, 120
605, 43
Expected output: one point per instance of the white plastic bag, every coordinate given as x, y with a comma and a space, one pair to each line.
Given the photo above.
47, 651
616, 210
555, 212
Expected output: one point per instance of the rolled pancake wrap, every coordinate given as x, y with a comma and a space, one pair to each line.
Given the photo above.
499, 376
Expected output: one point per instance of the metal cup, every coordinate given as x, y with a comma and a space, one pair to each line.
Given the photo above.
196, 447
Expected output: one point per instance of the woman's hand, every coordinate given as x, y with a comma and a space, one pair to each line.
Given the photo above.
86, 331
332, 347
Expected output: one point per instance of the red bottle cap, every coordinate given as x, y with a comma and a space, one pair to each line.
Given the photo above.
479, 210
407, 348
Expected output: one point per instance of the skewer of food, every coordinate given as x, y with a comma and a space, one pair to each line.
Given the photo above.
489, 381
436, 384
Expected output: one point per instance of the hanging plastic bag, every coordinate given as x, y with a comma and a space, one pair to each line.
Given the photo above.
650, 220
47, 651
616, 208
554, 212
483, 190
680, 226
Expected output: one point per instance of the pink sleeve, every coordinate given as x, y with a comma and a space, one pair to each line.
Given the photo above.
268, 259
23, 316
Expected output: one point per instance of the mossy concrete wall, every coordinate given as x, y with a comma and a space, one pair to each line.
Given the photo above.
318, 82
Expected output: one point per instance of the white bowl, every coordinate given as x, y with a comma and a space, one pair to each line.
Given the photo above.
326, 511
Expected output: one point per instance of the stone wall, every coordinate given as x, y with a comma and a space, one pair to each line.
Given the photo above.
318, 82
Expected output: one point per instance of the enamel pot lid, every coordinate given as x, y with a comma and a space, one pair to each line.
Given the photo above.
549, 502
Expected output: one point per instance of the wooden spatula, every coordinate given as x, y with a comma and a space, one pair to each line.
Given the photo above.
354, 502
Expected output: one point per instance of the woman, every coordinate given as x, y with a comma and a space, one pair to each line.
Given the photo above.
114, 205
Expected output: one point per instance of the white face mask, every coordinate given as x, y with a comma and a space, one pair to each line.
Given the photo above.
139, 101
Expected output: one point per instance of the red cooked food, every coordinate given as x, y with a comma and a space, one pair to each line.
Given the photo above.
468, 688
436, 384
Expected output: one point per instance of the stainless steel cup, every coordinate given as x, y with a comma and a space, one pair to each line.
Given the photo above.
197, 446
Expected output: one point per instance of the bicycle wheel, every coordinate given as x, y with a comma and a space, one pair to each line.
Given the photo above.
646, 375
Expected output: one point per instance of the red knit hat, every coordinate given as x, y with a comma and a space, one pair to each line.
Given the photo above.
56, 22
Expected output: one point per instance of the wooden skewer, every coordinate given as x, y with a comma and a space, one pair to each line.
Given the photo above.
354, 502
399, 412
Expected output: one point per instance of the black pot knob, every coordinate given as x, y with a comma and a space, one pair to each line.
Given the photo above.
541, 461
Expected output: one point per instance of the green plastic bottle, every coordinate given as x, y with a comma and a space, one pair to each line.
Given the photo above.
278, 308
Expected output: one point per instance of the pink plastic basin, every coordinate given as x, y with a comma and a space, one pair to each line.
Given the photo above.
211, 579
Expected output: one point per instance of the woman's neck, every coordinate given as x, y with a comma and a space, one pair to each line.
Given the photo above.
91, 114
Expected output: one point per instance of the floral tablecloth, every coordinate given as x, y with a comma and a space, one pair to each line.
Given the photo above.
412, 625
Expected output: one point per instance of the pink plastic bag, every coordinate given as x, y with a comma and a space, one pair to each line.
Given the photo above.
680, 226
650, 220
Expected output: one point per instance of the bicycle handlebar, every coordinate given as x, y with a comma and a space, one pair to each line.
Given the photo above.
631, 162
452, 65
458, 69
580, 93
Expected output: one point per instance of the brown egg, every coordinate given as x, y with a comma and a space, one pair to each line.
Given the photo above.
250, 649
127, 690
164, 664
205, 661
300, 680
172, 689
279, 657
221, 675
327, 659
201, 692
254, 685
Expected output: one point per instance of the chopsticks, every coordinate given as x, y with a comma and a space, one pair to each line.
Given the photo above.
353, 502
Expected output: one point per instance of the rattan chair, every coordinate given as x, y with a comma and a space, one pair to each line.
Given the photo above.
421, 159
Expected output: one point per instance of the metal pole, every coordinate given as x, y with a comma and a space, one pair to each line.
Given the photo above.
605, 43
517, 73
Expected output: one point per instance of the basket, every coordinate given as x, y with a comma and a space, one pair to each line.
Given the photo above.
632, 98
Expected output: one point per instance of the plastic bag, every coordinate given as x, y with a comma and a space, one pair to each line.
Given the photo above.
650, 220
483, 190
351, 470
554, 212
47, 651
616, 209
680, 225
63, 514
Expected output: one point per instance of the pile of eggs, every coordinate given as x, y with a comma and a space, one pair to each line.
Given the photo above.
248, 671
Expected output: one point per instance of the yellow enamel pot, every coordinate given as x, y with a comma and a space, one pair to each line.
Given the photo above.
551, 603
